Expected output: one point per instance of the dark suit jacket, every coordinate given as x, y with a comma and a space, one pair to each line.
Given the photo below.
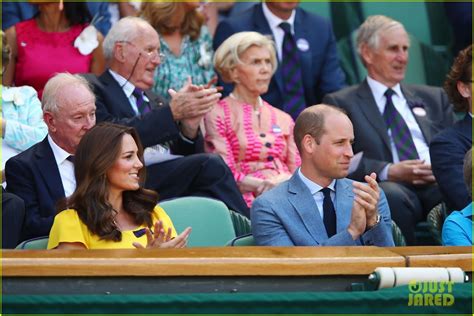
447, 152
33, 175
370, 130
320, 64
155, 127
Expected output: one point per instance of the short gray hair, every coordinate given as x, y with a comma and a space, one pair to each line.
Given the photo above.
369, 32
227, 55
54, 86
125, 30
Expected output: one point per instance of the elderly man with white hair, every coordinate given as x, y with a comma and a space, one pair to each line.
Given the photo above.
44, 174
394, 123
176, 164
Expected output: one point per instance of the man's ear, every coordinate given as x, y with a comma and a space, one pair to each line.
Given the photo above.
366, 54
463, 89
308, 143
50, 121
119, 53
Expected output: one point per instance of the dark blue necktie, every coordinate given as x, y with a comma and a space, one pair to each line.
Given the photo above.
400, 133
142, 105
294, 101
70, 158
329, 213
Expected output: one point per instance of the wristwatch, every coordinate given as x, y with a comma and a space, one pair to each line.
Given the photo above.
377, 221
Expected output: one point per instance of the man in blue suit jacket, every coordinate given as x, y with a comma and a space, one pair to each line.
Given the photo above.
294, 213
314, 37
42, 175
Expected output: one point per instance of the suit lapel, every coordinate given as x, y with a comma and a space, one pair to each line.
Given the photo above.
122, 104
46, 164
367, 105
424, 122
301, 32
344, 200
306, 208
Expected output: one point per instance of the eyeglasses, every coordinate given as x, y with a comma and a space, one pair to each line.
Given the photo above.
149, 52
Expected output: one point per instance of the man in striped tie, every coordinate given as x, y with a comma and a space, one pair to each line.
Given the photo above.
394, 123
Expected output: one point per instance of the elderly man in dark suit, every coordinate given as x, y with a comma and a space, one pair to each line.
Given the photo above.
306, 49
175, 163
44, 174
394, 123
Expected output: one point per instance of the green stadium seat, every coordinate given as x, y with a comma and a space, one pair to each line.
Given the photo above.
38, 243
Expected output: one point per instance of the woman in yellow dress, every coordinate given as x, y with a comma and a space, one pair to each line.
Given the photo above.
110, 208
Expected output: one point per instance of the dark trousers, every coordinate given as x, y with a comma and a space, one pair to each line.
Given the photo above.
410, 205
13, 214
197, 175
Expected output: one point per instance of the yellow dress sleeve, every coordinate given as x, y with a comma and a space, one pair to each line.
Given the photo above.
159, 214
67, 227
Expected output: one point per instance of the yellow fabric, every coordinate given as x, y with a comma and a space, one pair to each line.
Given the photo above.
68, 227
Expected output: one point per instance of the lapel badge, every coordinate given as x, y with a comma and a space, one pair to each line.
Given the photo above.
302, 44
418, 108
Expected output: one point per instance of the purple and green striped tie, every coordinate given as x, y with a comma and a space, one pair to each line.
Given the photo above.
400, 133
294, 101
142, 105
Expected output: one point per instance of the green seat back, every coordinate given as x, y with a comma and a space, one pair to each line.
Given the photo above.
210, 220
435, 221
398, 237
242, 241
39, 243
241, 224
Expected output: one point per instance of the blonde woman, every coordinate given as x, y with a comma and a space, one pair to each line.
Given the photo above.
254, 138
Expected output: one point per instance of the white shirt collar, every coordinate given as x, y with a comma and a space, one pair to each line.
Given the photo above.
126, 86
274, 21
378, 89
314, 187
59, 154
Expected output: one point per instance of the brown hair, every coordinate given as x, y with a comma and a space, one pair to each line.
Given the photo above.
5, 50
161, 16
460, 71
311, 122
97, 152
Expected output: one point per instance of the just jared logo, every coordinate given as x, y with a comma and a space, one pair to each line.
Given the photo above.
430, 293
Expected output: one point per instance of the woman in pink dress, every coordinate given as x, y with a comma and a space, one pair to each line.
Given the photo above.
253, 137
57, 39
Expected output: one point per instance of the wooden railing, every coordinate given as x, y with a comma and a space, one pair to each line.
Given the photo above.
228, 261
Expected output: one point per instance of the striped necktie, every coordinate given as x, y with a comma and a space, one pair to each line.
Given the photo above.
294, 101
400, 132
142, 105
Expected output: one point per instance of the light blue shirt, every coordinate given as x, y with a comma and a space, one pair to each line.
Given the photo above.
25, 127
457, 228
315, 190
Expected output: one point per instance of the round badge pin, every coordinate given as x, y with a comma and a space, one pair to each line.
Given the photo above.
302, 44
419, 111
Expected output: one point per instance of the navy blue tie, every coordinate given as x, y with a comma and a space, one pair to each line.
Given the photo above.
329, 213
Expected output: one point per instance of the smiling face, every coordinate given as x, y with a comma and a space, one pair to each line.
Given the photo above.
74, 117
387, 63
329, 158
252, 76
142, 51
124, 173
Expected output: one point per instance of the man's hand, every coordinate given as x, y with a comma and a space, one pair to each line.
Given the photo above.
415, 172
192, 102
358, 221
370, 195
